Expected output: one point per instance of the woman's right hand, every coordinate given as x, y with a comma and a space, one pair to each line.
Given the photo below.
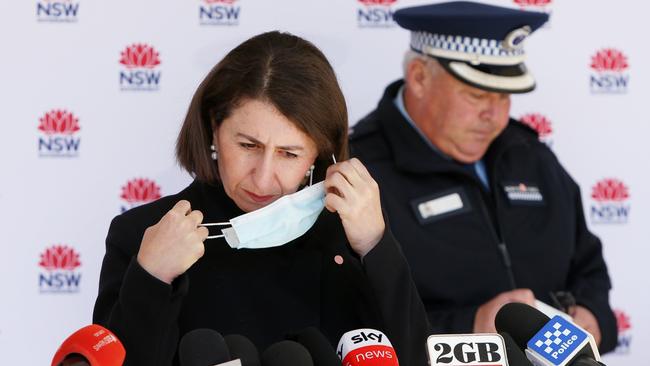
174, 244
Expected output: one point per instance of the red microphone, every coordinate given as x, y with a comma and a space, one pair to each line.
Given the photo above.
366, 347
94, 343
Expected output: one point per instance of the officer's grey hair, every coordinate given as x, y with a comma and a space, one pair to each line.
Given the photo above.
430, 62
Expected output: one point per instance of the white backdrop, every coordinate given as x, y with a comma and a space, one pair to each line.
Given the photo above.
80, 127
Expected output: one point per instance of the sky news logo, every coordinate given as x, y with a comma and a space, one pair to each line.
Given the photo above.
375, 13
541, 124
558, 340
219, 12
609, 75
137, 192
140, 63
59, 138
64, 11
609, 204
59, 270
624, 331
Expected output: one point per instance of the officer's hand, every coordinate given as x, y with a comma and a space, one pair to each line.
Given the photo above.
354, 195
174, 244
484, 320
586, 319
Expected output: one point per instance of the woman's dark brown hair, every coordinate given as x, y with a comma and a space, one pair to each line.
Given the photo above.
278, 68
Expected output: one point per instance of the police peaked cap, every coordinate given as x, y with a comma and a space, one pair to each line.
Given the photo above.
479, 44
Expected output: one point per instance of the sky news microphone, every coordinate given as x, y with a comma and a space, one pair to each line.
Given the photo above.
92, 345
203, 347
366, 347
319, 347
286, 353
243, 349
467, 349
547, 342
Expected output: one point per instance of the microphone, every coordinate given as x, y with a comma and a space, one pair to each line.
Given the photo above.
515, 356
321, 350
203, 347
92, 345
467, 349
286, 353
243, 349
366, 347
547, 342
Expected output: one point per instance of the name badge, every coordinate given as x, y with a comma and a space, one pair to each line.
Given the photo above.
523, 194
440, 205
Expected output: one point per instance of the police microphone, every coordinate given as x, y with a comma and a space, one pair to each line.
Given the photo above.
92, 345
243, 349
203, 347
366, 347
286, 353
547, 342
320, 348
467, 349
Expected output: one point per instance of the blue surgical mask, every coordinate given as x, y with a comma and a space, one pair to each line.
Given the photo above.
276, 224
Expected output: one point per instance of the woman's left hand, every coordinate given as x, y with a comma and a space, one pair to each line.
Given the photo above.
354, 195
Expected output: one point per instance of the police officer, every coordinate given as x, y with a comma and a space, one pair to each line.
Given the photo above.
485, 213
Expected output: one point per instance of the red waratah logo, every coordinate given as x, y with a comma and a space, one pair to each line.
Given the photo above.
610, 189
537, 122
228, 2
622, 321
59, 257
377, 2
609, 59
139, 55
140, 190
59, 121
532, 2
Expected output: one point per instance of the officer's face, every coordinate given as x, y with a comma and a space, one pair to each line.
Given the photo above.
462, 121
262, 155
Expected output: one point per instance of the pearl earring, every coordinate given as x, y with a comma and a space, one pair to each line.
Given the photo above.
214, 154
310, 174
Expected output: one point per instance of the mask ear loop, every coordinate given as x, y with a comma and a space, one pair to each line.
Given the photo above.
334, 158
216, 224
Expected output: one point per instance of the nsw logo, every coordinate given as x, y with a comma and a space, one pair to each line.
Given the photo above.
63, 11
140, 63
541, 124
219, 12
59, 270
558, 340
375, 13
138, 191
624, 331
610, 205
609, 72
58, 138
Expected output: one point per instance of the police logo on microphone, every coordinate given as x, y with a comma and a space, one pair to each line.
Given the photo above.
558, 341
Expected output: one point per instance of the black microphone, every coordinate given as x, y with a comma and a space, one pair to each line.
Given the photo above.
202, 347
515, 356
243, 349
547, 342
321, 350
286, 353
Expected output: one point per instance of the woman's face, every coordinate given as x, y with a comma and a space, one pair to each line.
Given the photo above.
262, 155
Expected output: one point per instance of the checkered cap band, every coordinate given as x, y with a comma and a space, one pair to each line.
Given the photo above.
477, 50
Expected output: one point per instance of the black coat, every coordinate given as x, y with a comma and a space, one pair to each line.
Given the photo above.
459, 257
261, 294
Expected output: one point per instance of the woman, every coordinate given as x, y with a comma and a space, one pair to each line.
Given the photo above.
267, 120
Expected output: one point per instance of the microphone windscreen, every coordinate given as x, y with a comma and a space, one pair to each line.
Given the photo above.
286, 353
202, 347
521, 321
92, 344
516, 356
321, 350
242, 348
